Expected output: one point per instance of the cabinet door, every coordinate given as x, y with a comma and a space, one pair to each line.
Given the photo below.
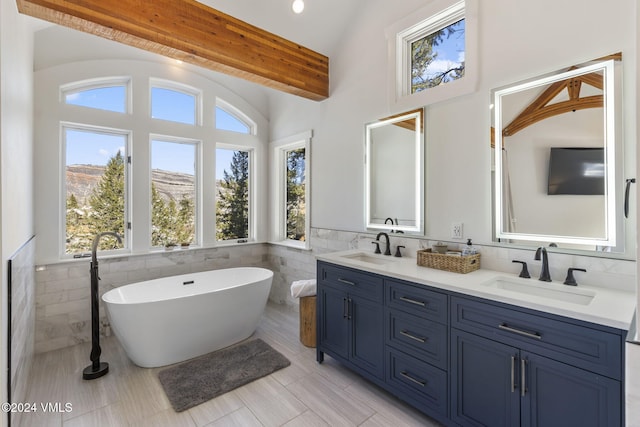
484, 381
334, 325
557, 394
367, 343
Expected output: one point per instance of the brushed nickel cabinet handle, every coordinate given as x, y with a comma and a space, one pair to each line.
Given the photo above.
507, 328
412, 301
346, 282
413, 380
413, 337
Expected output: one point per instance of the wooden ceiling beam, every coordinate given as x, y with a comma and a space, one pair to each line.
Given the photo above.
195, 33
572, 105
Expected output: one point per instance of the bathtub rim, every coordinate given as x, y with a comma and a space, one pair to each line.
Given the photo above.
105, 297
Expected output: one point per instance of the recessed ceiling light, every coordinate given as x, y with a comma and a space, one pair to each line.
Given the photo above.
297, 6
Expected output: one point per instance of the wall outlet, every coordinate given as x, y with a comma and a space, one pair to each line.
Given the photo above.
456, 230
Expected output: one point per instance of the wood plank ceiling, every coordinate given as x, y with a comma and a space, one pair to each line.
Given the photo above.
198, 34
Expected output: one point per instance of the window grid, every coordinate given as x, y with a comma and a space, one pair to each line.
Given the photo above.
232, 119
234, 194
195, 235
96, 193
406, 39
174, 201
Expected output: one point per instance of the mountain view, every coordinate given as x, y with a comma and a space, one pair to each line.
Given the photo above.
81, 179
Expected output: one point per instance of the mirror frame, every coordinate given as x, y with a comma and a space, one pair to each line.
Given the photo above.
418, 151
607, 67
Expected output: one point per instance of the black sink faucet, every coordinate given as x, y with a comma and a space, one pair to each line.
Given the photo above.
544, 273
389, 219
388, 249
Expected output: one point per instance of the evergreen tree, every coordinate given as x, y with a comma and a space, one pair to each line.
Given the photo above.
295, 194
78, 236
171, 223
232, 207
423, 56
185, 220
107, 202
159, 219
72, 202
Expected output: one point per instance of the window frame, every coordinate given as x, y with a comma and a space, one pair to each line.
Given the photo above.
429, 19
48, 182
239, 115
62, 199
279, 188
197, 214
98, 83
175, 86
419, 31
252, 197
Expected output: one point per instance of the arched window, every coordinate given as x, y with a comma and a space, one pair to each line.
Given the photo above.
110, 94
230, 118
175, 102
154, 166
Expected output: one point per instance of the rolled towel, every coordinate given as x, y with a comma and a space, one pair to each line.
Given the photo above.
303, 288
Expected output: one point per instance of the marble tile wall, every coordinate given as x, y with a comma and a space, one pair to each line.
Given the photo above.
23, 294
63, 314
62, 306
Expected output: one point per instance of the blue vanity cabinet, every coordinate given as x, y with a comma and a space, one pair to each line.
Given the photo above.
469, 361
512, 367
350, 320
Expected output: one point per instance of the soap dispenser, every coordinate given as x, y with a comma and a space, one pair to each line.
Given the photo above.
469, 249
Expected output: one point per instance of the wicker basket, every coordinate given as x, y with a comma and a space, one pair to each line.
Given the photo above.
454, 263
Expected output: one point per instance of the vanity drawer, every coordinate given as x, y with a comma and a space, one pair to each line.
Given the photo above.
417, 300
352, 281
592, 349
419, 337
417, 382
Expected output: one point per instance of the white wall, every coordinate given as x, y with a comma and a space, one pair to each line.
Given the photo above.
16, 152
537, 212
457, 131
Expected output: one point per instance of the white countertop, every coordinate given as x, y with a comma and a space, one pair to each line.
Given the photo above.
609, 307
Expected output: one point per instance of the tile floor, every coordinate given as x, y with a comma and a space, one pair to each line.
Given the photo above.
305, 394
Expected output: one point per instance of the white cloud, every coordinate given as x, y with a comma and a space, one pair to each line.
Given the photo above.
441, 65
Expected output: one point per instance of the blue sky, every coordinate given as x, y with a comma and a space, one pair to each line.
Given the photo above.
450, 51
86, 147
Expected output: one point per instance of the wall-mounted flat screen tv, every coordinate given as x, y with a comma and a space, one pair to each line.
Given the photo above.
576, 171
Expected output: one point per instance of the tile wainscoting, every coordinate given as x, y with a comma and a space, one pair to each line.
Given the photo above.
62, 297
63, 313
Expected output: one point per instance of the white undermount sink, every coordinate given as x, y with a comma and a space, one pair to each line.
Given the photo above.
370, 258
550, 290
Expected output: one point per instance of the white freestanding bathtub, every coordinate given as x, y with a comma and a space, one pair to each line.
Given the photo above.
168, 320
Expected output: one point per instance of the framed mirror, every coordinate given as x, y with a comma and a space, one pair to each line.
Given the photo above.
558, 169
394, 174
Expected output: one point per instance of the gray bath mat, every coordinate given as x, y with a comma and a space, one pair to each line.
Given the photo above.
198, 380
